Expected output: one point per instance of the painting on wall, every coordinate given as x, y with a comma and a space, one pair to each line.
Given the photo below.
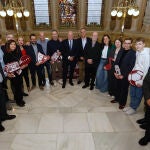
68, 12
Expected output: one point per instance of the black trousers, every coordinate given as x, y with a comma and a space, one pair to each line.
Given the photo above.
33, 71
25, 75
3, 100
90, 74
147, 117
68, 66
121, 92
112, 82
17, 84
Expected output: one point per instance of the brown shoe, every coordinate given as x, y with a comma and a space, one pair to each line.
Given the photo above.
114, 101
121, 107
41, 87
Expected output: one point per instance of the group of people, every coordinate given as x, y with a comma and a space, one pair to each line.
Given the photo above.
103, 65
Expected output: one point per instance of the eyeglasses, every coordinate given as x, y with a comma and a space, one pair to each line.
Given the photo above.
127, 43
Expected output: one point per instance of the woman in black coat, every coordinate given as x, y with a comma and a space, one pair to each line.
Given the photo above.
13, 54
111, 60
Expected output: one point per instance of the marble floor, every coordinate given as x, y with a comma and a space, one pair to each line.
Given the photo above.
71, 119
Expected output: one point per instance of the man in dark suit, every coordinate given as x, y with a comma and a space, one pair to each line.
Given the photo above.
35, 66
82, 42
92, 57
69, 53
125, 60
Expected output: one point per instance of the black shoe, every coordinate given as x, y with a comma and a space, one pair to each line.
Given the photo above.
51, 83
63, 86
114, 101
20, 104
91, 87
85, 86
79, 82
71, 83
8, 117
25, 94
144, 141
141, 121
23, 102
1, 128
144, 126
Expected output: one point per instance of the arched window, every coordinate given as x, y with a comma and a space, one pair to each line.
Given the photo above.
95, 12
41, 13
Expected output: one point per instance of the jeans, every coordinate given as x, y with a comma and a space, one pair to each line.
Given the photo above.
102, 77
49, 71
136, 94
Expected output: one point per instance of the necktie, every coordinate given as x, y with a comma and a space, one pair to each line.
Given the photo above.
1, 71
70, 44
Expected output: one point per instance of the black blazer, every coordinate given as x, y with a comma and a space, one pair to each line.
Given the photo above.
30, 52
127, 62
80, 48
93, 53
66, 52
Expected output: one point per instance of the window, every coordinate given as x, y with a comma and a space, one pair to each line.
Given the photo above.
41, 13
68, 12
95, 12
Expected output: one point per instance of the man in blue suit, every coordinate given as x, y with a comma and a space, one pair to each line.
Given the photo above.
35, 66
69, 53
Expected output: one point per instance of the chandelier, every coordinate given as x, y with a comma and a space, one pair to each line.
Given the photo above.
123, 8
13, 7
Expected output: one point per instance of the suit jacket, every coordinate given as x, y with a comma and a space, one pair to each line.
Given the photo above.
80, 48
92, 53
127, 62
66, 52
30, 52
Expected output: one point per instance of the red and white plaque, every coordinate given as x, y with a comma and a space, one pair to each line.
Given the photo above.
42, 58
24, 60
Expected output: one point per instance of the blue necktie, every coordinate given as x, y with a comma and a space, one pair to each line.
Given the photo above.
70, 44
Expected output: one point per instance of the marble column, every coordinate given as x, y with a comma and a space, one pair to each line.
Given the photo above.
118, 25
107, 14
146, 22
27, 4
137, 21
2, 26
82, 13
54, 14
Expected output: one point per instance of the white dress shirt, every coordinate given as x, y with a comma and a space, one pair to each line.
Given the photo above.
84, 40
104, 52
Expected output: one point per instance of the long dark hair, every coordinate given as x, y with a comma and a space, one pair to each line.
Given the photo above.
103, 44
119, 39
8, 45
